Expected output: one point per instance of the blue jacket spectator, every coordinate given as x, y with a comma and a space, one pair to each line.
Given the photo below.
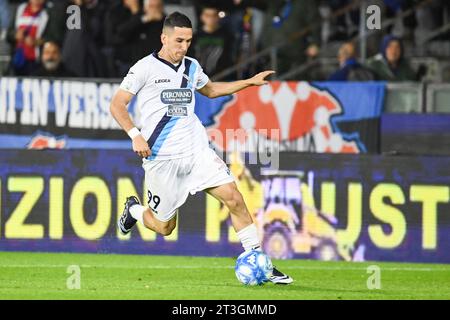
350, 69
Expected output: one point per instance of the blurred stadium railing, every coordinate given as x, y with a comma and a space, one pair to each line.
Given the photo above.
417, 98
438, 98
404, 98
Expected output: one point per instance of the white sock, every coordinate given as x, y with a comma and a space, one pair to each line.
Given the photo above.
249, 238
137, 212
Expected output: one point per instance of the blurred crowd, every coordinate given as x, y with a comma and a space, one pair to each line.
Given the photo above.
102, 39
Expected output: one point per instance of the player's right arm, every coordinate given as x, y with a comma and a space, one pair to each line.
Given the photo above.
119, 111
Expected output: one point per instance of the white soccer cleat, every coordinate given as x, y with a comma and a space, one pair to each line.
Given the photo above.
279, 277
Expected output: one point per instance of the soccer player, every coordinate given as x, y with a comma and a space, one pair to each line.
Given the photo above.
173, 143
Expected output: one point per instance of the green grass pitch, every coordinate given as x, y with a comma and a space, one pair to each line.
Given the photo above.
109, 276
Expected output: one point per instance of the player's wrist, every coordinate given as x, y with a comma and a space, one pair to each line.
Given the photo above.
249, 82
133, 133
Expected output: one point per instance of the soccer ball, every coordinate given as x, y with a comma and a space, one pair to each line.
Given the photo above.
253, 268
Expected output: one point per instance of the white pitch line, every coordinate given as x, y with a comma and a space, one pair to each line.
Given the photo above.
216, 267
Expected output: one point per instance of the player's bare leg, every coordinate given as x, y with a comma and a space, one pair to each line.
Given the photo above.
134, 212
229, 195
163, 228
242, 222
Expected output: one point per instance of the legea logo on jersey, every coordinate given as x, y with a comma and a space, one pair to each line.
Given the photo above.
179, 96
162, 80
177, 111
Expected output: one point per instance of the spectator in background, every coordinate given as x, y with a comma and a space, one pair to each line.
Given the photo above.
212, 43
389, 64
56, 27
249, 17
233, 14
283, 19
4, 19
4, 24
153, 21
244, 21
82, 48
51, 64
25, 35
133, 33
341, 27
257, 16
350, 69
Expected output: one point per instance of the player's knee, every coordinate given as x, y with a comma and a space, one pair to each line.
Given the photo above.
165, 232
234, 201
167, 229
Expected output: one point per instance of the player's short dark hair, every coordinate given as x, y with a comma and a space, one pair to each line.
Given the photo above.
177, 19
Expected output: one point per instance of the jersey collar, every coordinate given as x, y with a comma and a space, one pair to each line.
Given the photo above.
174, 67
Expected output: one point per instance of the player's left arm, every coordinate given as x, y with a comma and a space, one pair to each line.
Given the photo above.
218, 89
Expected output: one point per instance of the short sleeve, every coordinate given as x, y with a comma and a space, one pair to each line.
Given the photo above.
202, 79
135, 79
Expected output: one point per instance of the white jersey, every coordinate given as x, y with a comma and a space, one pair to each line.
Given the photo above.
166, 102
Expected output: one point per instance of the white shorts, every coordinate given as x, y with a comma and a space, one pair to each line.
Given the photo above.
169, 182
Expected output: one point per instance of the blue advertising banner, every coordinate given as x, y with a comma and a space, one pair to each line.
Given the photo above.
314, 206
296, 116
415, 134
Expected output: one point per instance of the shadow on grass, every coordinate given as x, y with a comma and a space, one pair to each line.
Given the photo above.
298, 288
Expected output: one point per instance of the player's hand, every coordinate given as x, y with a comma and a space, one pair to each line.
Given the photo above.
140, 147
259, 79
